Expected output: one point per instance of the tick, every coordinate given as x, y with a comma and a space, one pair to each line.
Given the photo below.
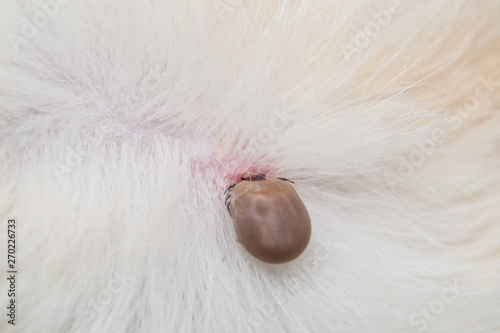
270, 219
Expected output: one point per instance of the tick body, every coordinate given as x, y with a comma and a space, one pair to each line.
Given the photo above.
270, 219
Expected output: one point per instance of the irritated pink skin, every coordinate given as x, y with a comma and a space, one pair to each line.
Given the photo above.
226, 160
231, 163
234, 167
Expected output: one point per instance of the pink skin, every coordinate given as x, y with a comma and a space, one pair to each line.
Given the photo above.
226, 160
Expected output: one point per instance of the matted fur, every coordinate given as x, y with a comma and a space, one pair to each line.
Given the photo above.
122, 122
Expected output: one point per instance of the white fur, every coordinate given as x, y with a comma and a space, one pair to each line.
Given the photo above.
122, 122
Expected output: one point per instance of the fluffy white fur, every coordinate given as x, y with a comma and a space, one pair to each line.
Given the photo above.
122, 122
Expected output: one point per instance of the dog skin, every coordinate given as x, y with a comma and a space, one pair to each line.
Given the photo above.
123, 122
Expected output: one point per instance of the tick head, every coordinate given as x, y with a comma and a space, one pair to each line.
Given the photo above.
253, 176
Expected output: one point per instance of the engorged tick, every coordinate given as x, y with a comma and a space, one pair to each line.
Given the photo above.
270, 219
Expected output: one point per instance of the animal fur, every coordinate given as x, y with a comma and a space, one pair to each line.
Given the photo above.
123, 122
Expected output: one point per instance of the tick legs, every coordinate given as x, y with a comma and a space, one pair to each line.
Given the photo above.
228, 196
286, 180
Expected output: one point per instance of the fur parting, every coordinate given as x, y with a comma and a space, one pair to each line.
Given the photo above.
123, 122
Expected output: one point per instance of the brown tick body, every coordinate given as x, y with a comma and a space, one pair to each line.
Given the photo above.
270, 219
